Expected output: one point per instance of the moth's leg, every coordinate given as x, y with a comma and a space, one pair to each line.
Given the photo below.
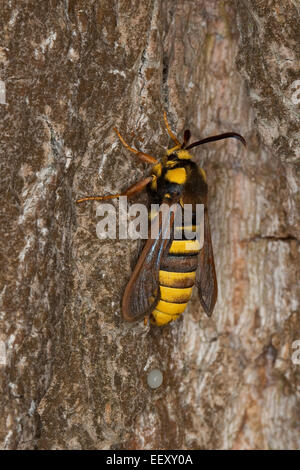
136, 188
145, 157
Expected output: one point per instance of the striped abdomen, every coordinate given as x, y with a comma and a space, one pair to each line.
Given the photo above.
176, 278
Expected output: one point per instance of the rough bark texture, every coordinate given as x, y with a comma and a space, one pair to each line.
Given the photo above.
73, 374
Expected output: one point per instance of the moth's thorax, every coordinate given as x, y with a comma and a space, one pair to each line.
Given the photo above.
176, 175
174, 158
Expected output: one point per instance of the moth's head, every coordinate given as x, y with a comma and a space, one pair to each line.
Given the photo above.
177, 153
181, 151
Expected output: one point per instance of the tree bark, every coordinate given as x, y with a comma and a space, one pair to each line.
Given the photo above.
73, 373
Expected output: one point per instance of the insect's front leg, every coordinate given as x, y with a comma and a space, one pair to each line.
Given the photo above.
136, 188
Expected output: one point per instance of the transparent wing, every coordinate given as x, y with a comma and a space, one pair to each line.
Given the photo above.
142, 291
206, 279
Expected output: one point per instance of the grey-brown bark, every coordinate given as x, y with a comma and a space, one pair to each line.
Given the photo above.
73, 374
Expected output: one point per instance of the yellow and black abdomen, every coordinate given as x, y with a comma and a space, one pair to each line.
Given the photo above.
178, 267
176, 278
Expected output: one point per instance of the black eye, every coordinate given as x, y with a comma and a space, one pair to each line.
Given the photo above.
173, 157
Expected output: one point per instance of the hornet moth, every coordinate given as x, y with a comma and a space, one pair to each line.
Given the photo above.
167, 269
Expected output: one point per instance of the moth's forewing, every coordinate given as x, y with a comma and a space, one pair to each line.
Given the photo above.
206, 279
142, 292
